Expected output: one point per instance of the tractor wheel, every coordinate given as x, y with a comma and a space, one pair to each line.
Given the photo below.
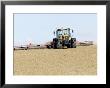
74, 42
55, 41
71, 45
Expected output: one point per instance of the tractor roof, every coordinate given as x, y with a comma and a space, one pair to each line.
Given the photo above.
63, 29
58, 29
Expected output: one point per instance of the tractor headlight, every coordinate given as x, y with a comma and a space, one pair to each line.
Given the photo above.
66, 37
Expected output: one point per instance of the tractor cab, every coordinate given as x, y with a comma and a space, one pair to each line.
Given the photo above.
63, 33
66, 31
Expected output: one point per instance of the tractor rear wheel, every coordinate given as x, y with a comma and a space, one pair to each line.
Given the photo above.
55, 41
73, 42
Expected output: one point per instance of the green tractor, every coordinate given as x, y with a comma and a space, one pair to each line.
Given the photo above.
63, 39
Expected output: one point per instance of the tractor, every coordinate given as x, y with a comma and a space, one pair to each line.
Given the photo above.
63, 39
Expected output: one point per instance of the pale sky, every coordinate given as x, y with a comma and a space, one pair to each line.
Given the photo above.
38, 28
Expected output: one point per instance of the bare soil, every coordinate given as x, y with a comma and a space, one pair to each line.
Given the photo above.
81, 60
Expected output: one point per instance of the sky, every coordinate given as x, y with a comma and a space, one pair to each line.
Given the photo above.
38, 28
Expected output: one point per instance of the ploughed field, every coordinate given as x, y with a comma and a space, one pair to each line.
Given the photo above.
81, 60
